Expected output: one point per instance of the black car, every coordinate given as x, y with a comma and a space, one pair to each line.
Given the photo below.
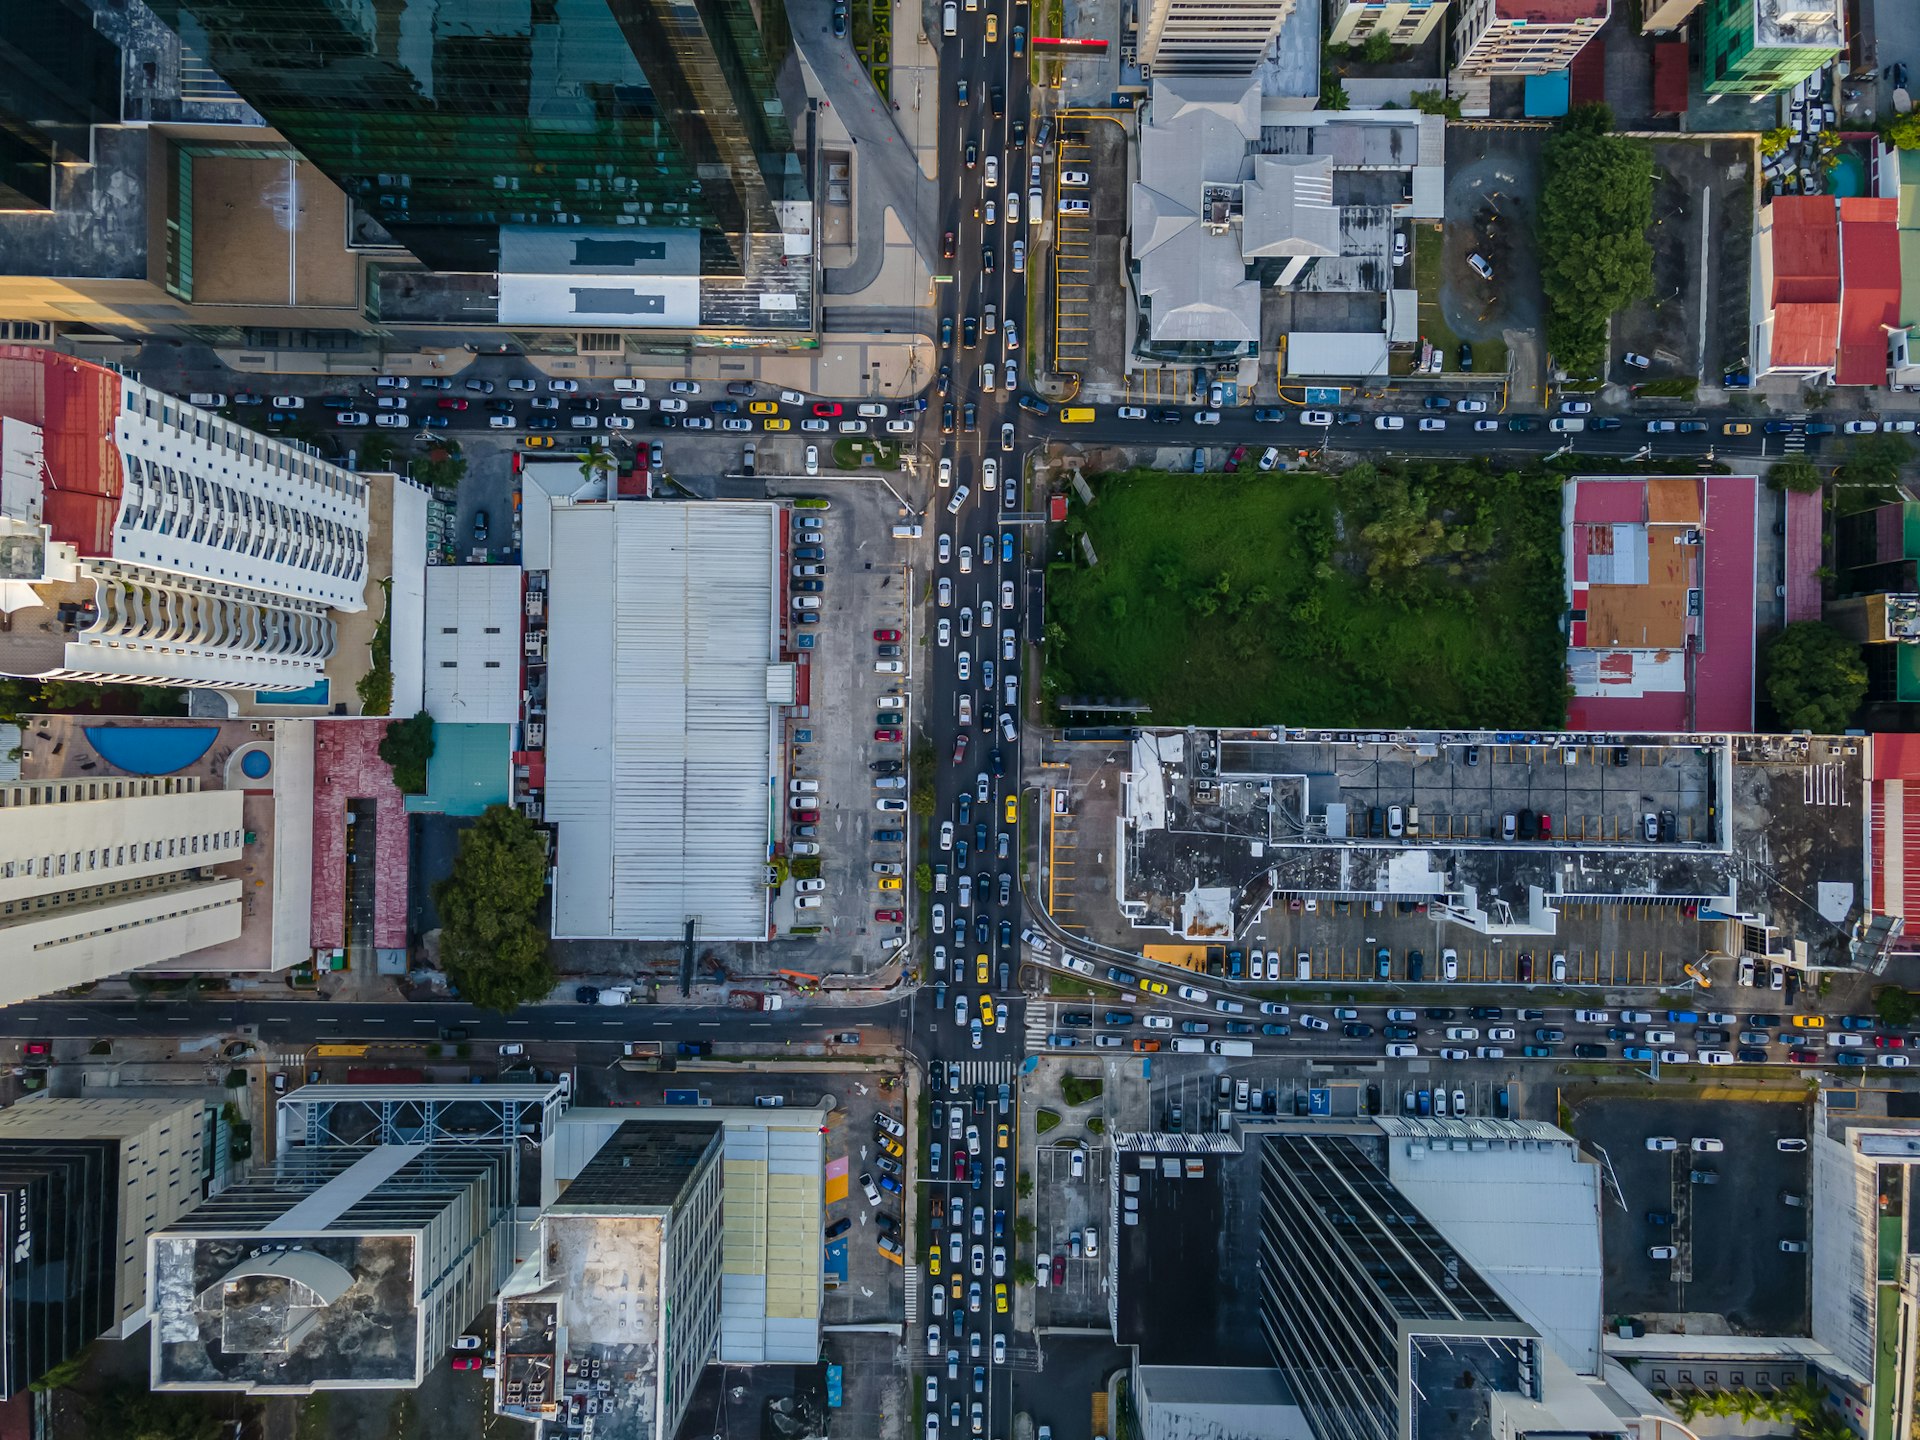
888, 837
1502, 1106
1399, 1032
886, 767
1590, 1052
1006, 943
1750, 1057
1167, 417
1239, 1027
1416, 965
1706, 1036
1521, 424
944, 380
1017, 134
1487, 1012
1549, 1035
586, 994
1354, 1030
1605, 422
999, 761
839, 1227
1466, 356
458, 1032
1619, 1032
1440, 1012
549, 422
972, 155
839, 23
499, 407
970, 331
999, 102
986, 258
969, 413
1763, 1022
1117, 1017
587, 405
979, 1096
946, 418
1034, 405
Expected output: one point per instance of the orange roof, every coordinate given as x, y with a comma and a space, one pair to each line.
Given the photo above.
1673, 502
1870, 295
1805, 337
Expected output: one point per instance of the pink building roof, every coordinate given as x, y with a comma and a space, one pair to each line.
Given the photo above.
1803, 555
347, 766
1551, 12
75, 404
1870, 287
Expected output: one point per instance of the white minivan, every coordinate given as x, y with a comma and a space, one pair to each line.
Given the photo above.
950, 18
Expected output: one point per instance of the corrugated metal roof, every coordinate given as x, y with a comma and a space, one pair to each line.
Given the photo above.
660, 735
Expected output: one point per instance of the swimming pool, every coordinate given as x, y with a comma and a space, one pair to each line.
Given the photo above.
151, 749
1849, 176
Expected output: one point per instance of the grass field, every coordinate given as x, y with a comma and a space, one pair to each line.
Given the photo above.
1425, 597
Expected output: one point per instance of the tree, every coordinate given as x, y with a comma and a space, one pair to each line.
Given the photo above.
1896, 1008
1796, 473
491, 944
406, 747
1904, 131
1376, 49
376, 452
1595, 209
595, 463
124, 1410
1774, 142
444, 468
1816, 678
1876, 459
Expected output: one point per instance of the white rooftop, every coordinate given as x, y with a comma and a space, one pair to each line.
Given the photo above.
1519, 1203
660, 734
473, 644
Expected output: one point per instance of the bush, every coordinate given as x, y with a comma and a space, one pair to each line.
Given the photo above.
1796, 473
1077, 1090
1045, 1120
1096, 1126
1895, 1008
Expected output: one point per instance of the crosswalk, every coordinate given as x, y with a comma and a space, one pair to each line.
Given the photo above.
985, 1072
1039, 1024
913, 1296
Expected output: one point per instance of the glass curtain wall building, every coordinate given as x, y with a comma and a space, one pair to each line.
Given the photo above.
449, 121
1374, 1318
58, 77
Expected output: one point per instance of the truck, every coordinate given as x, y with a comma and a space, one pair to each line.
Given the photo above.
1228, 1047
754, 1000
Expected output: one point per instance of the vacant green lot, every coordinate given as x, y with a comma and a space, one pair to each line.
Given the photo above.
1427, 595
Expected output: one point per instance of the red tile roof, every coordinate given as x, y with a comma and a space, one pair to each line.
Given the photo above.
1669, 77
347, 766
1803, 555
1805, 337
75, 404
1870, 287
1806, 250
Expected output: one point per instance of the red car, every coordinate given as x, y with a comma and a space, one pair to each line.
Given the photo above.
1804, 1057
466, 1362
806, 817
451, 404
1546, 826
959, 749
959, 1167
888, 635
1233, 460
892, 735
826, 409
890, 917
37, 1049
1885, 1042
1526, 968
1059, 1270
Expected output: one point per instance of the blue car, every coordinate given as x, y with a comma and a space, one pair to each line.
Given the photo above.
1636, 1052
1006, 548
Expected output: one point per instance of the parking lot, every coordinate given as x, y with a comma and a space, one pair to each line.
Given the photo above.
867, 587
1065, 1207
1087, 261
1726, 1233
1492, 175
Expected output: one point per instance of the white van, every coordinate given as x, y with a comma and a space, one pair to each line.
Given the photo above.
950, 18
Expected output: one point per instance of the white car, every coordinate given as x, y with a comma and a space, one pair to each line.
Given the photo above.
946, 471
943, 592
1131, 412
989, 480
672, 406
961, 494
1471, 407
945, 548
390, 420
1638, 362
572, 387
1449, 964
943, 632
1269, 458
1317, 417
1193, 992
1852, 427
813, 459
502, 422
1008, 643
1156, 1022
1389, 422
289, 402
992, 171
1432, 422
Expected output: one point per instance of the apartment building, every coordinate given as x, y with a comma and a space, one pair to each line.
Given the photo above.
1524, 37
1404, 22
1209, 37
149, 541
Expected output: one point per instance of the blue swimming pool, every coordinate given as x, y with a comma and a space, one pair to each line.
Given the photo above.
1849, 176
151, 749
314, 694
255, 764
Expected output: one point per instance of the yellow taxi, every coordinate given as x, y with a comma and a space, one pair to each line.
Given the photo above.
1154, 987
980, 970
1000, 1136
537, 442
890, 1248
1000, 1297
933, 1261
762, 407
1810, 1022
776, 424
993, 28
986, 1012
891, 1147
1736, 427
1013, 808
888, 882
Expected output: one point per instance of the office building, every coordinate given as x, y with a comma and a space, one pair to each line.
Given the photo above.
150, 541
100, 876
1209, 37
332, 1268
1524, 37
624, 1280
477, 119
1404, 22
1759, 47
59, 77
82, 1185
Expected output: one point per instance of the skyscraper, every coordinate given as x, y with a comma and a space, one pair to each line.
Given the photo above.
148, 541
1209, 37
58, 77
450, 122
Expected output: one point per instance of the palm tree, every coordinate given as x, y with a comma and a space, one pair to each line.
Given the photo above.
1749, 1404
1803, 1399
595, 463
1685, 1404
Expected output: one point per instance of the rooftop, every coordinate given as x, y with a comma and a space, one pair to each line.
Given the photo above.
1783, 24
1767, 830
661, 717
346, 768
1550, 12
1869, 288
646, 1164
1205, 1402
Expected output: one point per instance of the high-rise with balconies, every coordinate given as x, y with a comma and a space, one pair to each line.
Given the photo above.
144, 540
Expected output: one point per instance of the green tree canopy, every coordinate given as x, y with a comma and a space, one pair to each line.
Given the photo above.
1796, 472
1904, 131
1896, 1008
1815, 677
1876, 459
1595, 208
407, 746
491, 944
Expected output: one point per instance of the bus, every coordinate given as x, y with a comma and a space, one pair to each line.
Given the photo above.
1076, 415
